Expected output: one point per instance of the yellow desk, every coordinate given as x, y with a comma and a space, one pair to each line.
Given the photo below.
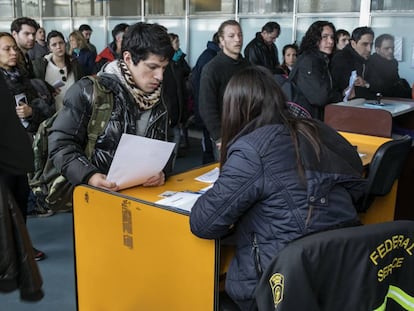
134, 255
366, 144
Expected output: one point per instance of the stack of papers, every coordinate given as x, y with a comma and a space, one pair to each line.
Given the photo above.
210, 176
181, 200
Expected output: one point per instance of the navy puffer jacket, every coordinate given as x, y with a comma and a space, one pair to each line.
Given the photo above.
260, 192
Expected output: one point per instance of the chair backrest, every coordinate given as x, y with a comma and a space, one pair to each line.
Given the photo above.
375, 122
385, 167
368, 267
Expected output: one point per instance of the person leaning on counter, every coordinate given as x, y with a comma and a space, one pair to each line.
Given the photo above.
281, 178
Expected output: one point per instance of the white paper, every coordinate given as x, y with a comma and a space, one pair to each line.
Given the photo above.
182, 200
398, 45
210, 176
21, 98
138, 158
352, 79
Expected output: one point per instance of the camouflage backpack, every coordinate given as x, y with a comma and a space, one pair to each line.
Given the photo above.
51, 189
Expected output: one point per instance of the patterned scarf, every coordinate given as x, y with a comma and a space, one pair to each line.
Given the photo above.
145, 101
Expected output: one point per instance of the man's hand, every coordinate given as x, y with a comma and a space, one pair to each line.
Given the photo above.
100, 181
157, 180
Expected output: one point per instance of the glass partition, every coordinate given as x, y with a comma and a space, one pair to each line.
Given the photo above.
164, 7
392, 5
201, 31
87, 8
64, 26
265, 6
56, 8
6, 8
124, 8
27, 8
320, 6
206, 7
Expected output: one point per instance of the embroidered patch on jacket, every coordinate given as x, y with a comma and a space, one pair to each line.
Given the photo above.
277, 284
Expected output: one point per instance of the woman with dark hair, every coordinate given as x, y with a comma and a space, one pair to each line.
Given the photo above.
290, 52
311, 72
57, 68
281, 178
29, 107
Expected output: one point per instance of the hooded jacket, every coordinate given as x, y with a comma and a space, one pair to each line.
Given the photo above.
261, 196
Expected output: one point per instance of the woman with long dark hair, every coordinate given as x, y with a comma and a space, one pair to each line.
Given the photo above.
311, 72
281, 178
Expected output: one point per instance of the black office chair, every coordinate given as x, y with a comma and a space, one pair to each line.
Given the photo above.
385, 167
362, 268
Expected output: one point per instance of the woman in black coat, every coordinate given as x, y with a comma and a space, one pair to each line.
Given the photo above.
311, 72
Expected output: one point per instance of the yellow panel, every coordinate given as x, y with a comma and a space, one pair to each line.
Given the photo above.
133, 256
366, 144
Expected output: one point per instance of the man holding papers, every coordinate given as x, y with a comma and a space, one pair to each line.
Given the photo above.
135, 81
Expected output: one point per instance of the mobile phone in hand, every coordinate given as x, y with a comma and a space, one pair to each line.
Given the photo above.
21, 99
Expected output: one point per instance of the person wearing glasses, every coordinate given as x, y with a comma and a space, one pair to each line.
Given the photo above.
57, 68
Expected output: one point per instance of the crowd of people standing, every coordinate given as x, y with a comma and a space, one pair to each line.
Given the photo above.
289, 168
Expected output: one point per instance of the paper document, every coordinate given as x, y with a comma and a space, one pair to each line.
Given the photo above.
20, 100
210, 176
352, 79
181, 200
138, 158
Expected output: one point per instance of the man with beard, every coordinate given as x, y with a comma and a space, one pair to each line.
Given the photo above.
23, 30
215, 76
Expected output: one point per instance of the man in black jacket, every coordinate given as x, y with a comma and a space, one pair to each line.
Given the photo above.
354, 56
383, 69
215, 76
262, 49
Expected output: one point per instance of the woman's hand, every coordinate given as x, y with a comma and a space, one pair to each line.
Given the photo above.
157, 180
23, 110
